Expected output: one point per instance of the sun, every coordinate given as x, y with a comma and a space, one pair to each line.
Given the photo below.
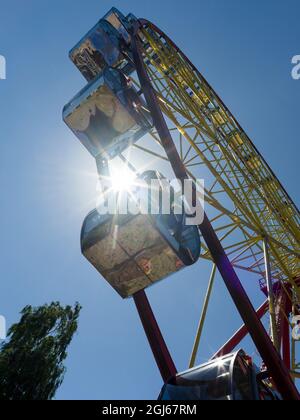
122, 179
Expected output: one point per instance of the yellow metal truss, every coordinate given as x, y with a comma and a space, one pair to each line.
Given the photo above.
247, 203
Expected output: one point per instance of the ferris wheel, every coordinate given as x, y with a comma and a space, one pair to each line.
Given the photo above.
141, 84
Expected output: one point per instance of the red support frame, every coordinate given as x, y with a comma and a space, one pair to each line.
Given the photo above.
284, 335
236, 339
157, 343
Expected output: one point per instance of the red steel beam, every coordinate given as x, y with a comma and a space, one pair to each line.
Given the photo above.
269, 354
236, 339
157, 343
284, 313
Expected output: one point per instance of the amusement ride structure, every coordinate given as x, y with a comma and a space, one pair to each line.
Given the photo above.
140, 83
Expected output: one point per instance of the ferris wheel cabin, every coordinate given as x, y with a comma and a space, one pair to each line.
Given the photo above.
103, 46
107, 115
120, 23
133, 252
233, 377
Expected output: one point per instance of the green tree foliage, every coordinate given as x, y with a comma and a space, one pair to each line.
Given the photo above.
31, 361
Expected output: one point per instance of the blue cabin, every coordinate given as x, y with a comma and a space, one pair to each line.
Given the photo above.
108, 115
121, 23
133, 252
104, 45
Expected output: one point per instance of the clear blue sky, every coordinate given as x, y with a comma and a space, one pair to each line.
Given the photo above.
244, 48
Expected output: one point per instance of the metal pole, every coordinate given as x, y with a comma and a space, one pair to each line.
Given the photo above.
286, 344
269, 354
271, 297
240, 334
286, 336
203, 316
293, 357
157, 343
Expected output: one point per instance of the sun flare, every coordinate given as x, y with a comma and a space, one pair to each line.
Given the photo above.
122, 180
